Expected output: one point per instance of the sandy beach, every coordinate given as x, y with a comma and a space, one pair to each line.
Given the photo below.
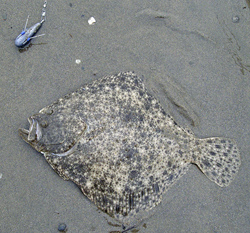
194, 57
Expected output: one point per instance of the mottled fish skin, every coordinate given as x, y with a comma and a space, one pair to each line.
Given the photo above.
115, 141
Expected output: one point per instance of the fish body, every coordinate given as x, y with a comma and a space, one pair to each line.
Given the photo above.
116, 142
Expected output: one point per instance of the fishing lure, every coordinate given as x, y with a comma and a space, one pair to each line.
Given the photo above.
28, 34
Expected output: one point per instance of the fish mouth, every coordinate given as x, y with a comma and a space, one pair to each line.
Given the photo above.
34, 133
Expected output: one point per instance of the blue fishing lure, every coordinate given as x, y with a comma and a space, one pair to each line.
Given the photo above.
29, 33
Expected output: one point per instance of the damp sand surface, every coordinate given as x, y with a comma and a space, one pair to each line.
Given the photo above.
194, 58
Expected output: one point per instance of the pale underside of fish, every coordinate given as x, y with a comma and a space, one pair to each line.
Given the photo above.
115, 141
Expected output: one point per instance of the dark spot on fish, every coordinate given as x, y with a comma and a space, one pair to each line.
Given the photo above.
125, 140
206, 163
142, 193
218, 146
124, 87
104, 200
136, 82
214, 173
180, 152
129, 117
133, 174
122, 78
141, 93
212, 153
218, 164
156, 188
117, 208
147, 106
112, 85
163, 112
131, 201
100, 86
158, 130
141, 118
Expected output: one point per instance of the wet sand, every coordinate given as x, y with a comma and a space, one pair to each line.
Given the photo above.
192, 55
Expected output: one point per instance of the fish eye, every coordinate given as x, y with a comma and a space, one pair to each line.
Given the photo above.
44, 124
48, 111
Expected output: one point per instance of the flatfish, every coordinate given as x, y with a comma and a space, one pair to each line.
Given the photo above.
115, 141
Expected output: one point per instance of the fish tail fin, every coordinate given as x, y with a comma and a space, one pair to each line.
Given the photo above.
218, 159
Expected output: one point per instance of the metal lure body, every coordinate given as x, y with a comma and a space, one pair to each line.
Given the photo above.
27, 34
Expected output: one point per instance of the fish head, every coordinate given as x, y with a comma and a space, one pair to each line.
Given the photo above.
55, 132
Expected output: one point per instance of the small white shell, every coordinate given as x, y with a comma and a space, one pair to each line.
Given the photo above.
78, 61
91, 20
